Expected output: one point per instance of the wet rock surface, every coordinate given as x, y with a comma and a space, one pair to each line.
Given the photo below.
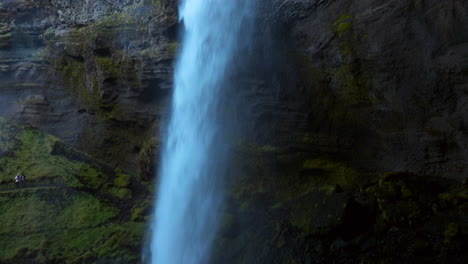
379, 84
396, 218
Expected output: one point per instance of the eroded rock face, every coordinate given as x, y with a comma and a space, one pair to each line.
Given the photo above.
377, 84
84, 12
340, 85
94, 73
355, 89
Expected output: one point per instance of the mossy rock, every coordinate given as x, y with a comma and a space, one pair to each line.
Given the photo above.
325, 173
142, 211
451, 231
402, 213
123, 180
319, 213
343, 24
386, 191
109, 67
68, 212
456, 196
124, 193
173, 48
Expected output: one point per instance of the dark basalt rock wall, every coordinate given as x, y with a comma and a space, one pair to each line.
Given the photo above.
350, 92
379, 84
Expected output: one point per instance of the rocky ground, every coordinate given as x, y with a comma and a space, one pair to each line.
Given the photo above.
354, 150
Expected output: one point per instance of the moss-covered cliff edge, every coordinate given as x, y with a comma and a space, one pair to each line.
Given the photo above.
72, 208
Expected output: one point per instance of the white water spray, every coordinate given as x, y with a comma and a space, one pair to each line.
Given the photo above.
194, 154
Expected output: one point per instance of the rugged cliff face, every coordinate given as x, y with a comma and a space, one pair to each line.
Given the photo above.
377, 83
94, 73
357, 91
355, 144
384, 100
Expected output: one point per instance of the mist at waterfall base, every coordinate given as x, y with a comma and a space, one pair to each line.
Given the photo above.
196, 149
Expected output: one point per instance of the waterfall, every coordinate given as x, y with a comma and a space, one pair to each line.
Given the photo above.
195, 152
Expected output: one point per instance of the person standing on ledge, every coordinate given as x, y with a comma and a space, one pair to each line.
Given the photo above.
17, 180
23, 180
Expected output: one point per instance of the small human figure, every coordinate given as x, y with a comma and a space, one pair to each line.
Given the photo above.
17, 181
23, 180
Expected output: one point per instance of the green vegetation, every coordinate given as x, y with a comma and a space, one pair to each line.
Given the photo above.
121, 193
86, 86
64, 225
74, 74
326, 173
124, 194
152, 52
67, 213
157, 3
122, 180
451, 231
295, 175
355, 86
5, 36
140, 212
116, 20
173, 48
353, 79
146, 157
109, 67
93, 60
73, 239
31, 152
320, 201
343, 25
319, 212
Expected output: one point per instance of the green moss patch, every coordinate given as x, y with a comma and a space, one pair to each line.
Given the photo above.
29, 152
37, 219
351, 75
45, 160
122, 180
109, 67
343, 25
73, 208
122, 193
319, 212
273, 177
322, 172
173, 48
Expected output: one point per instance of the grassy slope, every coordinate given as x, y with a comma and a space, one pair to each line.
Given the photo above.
70, 212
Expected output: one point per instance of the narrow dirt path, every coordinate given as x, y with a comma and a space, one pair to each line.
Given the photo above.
36, 186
